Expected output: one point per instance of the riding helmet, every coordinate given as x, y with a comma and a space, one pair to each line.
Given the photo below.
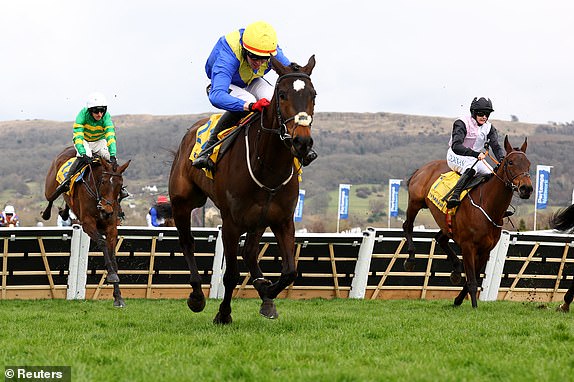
260, 39
96, 99
481, 103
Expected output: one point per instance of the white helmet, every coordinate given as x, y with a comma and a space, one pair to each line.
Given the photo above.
96, 99
9, 210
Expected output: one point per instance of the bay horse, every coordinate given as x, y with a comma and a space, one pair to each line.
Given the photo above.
95, 203
477, 224
256, 186
563, 220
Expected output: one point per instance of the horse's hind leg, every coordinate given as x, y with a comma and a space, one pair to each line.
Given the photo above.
412, 211
231, 276
182, 216
461, 296
457, 266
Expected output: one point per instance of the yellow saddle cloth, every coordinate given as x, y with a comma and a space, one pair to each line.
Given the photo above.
63, 172
203, 133
441, 187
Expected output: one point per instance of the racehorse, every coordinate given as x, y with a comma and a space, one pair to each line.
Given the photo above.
256, 186
95, 203
563, 220
477, 224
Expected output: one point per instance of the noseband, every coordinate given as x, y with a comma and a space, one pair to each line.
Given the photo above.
95, 193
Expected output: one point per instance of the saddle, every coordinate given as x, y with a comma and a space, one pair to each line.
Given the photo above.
78, 177
443, 186
226, 137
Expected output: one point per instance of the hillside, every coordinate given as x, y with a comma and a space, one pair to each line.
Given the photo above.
356, 148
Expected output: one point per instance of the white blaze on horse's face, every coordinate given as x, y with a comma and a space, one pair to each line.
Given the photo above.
298, 85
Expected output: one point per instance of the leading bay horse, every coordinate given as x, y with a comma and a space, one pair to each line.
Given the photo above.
477, 224
563, 220
256, 186
95, 203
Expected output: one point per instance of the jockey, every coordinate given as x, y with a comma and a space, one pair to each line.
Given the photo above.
236, 67
94, 133
8, 217
158, 212
466, 147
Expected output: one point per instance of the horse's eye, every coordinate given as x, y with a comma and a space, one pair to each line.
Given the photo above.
282, 95
510, 163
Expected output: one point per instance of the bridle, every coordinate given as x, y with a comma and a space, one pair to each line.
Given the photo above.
509, 177
300, 119
95, 192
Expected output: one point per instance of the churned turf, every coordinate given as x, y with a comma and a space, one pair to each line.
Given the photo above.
313, 340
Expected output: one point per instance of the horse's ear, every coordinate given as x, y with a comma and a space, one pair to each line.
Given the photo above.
507, 145
310, 65
278, 66
123, 167
524, 145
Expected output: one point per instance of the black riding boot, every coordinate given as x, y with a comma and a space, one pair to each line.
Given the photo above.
454, 199
227, 120
74, 168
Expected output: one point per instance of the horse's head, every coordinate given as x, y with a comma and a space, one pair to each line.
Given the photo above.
515, 169
294, 101
109, 186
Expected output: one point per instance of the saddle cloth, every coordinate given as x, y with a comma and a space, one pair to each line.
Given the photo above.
441, 187
63, 172
203, 133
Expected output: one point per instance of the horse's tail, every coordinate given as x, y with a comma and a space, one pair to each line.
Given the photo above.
563, 220
410, 177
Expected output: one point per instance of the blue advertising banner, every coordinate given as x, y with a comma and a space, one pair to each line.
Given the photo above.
344, 191
394, 185
542, 181
299, 209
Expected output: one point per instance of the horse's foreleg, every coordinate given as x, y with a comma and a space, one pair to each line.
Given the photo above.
461, 296
182, 218
472, 268
47, 214
568, 297
457, 266
110, 244
231, 276
412, 211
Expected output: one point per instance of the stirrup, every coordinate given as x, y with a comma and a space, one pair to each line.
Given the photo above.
203, 161
451, 203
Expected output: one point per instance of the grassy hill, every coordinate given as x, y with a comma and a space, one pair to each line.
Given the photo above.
362, 149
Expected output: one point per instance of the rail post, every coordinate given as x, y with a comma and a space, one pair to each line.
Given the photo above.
359, 283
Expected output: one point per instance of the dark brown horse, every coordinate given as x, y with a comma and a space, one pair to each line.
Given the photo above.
95, 202
255, 187
563, 220
477, 224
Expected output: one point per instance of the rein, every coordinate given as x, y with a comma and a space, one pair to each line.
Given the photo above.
95, 192
509, 183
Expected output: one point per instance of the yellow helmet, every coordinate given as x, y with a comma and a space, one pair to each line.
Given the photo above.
260, 39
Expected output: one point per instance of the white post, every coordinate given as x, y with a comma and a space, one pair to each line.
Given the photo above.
494, 268
359, 283
78, 267
217, 289
389, 209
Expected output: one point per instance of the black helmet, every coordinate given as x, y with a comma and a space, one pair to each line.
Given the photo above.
481, 103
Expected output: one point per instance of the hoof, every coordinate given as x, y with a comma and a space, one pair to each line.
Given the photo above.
119, 303
196, 303
46, 215
458, 302
268, 310
409, 264
220, 319
455, 278
563, 308
112, 278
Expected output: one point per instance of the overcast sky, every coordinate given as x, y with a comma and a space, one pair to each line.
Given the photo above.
416, 57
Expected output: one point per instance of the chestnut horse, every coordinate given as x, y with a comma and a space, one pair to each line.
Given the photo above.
256, 186
563, 220
95, 202
477, 224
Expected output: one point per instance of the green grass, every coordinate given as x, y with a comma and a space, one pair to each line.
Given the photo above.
313, 340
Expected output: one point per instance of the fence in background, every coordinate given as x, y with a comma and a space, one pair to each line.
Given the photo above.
52, 262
